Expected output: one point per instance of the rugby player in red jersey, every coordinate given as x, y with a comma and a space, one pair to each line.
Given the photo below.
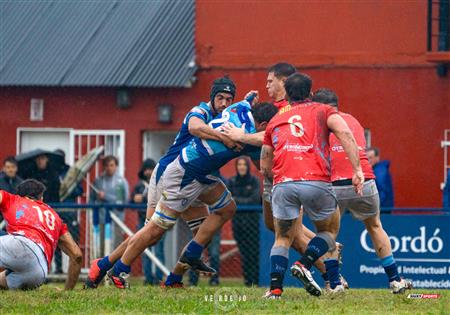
276, 76
365, 208
34, 230
296, 155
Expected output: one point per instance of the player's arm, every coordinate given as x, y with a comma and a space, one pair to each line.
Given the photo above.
266, 161
199, 129
71, 249
239, 135
339, 127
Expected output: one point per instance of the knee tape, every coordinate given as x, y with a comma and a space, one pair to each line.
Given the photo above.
163, 219
329, 239
223, 201
194, 224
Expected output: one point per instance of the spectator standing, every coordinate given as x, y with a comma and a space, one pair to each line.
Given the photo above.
245, 189
111, 188
383, 178
8, 178
139, 195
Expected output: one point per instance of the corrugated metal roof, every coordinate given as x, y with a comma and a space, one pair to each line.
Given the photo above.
97, 43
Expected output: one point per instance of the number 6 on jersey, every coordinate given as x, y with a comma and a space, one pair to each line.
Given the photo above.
296, 126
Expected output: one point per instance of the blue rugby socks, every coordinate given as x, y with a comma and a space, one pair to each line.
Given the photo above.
332, 266
278, 265
120, 267
104, 264
193, 250
390, 267
316, 248
173, 278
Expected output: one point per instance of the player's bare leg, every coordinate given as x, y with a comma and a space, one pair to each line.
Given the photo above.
3, 283
301, 238
379, 238
268, 215
162, 220
100, 266
213, 223
220, 214
194, 217
383, 249
222, 208
118, 252
279, 255
145, 237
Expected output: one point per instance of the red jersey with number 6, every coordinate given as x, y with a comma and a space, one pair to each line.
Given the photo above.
33, 219
299, 134
341, 167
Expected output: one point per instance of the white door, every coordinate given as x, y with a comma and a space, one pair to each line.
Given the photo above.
46, 139
156, 143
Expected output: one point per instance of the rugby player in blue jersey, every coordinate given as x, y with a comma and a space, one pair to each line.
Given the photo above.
195, 124
189, 178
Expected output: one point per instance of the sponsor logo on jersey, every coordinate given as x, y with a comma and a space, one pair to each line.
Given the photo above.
297, 147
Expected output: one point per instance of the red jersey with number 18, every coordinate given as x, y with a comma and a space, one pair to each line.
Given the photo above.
33, 219
341, 168
299, 134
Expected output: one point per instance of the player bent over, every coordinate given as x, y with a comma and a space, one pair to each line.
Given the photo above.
295, 153
189, 178
365, 208
34, 230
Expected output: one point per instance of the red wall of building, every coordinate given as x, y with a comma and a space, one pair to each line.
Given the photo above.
372, 53
250, 33
93, 108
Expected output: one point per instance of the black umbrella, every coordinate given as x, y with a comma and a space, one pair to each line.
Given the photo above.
26, 161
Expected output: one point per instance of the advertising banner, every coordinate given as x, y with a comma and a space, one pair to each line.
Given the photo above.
420, 244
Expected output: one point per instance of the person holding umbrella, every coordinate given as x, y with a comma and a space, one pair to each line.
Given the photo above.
42, 166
